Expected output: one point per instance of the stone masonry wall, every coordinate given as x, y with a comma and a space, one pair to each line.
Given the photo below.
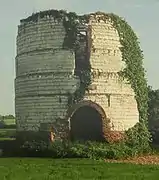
44, 74
114, 95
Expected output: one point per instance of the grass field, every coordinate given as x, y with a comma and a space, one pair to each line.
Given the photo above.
9, 121
77, 169
8, 133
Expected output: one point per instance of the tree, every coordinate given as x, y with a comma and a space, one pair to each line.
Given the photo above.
9, 116
1, 117
153, 113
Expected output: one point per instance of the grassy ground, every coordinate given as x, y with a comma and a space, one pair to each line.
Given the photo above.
8, 133
77, 169
9, 121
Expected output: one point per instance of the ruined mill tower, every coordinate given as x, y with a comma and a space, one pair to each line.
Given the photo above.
67, 77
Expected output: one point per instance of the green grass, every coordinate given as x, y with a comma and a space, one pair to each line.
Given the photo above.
9, 121
77, 169
7, 134
7, 139
4, 131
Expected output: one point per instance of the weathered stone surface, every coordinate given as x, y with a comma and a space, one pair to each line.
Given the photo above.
106, 62
45, 76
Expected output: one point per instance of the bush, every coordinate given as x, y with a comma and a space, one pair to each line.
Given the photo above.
2, 124
9, 147
7, 133
66, 149
1, 152
34, 148
137, 138
11, 126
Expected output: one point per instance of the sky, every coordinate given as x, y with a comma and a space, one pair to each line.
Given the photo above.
142, 15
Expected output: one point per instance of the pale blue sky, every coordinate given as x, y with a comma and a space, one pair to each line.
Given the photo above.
142, 15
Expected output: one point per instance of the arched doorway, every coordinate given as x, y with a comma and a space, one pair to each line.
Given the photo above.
86, 122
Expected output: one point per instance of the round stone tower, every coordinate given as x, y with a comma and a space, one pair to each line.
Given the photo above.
47, 75
44, 73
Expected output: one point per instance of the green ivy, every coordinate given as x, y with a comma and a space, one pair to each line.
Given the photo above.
134, 72
85, 81
71, 24
58, 15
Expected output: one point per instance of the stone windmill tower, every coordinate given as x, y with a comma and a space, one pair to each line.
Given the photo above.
49, 77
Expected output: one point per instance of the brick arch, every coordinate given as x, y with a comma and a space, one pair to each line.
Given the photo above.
72, 110
89, 103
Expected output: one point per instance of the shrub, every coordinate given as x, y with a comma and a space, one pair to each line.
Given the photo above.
2, 124
66, 149
5, 133
1, 152
137, 138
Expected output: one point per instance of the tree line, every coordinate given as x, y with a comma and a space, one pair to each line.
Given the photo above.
7, 117
153, 113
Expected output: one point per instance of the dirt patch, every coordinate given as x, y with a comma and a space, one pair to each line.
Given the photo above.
149, 159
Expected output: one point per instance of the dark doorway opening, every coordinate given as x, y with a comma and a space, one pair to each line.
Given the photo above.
86, 125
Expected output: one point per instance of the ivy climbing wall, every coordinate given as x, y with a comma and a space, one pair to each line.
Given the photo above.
108, 89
